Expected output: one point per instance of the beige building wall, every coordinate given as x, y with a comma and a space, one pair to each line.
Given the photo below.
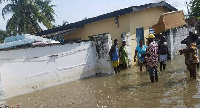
143, 19
103, 26
127, 23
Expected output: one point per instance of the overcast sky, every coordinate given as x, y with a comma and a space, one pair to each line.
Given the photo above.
76, 10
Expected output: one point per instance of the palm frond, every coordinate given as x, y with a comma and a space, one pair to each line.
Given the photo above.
28, 15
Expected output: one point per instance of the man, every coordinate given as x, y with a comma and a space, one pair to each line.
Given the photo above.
123, 54
114, 56
152, 57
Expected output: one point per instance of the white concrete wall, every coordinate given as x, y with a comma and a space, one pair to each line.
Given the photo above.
103, 45
27, 70
175, 37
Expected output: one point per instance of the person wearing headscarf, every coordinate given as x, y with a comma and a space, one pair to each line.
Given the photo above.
123, 54
152, 57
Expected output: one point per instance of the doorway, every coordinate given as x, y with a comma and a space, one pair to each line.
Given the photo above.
139, 35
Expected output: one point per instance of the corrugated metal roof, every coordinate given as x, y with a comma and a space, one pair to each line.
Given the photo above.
120, 12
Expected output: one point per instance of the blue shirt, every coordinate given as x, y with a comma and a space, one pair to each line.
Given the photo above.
115, 56
141, 50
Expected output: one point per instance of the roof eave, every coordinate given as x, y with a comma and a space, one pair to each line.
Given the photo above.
108, 15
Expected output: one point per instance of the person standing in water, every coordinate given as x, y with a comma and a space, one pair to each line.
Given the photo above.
114, 56
123, 54
163, 52
152, 57
140, 52
191, 58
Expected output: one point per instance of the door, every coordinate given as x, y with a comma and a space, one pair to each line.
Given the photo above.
126, 37
139, 34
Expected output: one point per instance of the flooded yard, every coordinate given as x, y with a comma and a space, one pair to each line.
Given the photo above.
128, 89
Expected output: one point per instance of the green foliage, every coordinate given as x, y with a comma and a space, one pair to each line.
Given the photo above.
85, 18
3, 35
64, 23
28, 15
195, 8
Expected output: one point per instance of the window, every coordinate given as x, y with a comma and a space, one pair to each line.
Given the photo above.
151, 31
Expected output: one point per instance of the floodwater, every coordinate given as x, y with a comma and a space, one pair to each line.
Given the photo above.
128, 89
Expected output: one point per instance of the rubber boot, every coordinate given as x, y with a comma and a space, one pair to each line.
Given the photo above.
152, 79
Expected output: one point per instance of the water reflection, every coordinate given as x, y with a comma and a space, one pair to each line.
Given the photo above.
128, 89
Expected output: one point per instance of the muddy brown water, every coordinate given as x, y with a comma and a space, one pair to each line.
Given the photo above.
128, 89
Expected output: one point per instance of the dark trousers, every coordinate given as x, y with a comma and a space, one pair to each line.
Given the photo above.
153, 73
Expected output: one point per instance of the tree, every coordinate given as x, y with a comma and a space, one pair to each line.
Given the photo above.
85, 18
195, 8
3, 35
64, 23
28, 15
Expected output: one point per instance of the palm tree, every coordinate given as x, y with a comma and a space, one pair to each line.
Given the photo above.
3, 35
64, 23
28, 15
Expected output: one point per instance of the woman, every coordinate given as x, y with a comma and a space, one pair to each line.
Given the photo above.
114, 56
191, 58
123, 54
140, 52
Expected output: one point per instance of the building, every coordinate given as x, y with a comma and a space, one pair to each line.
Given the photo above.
132, 23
